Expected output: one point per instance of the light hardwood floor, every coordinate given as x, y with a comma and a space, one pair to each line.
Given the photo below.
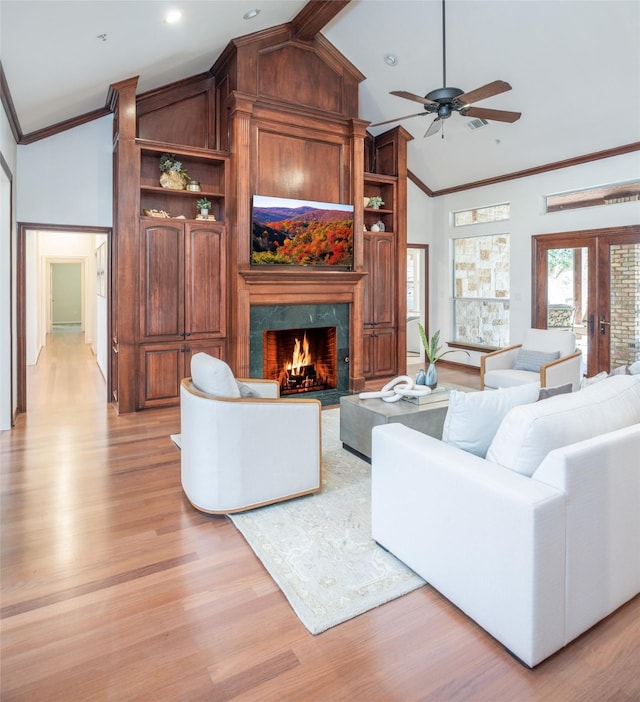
115, 588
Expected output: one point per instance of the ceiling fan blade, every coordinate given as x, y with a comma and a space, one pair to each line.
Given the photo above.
496, 115
414, 97
486, 91
397, 119
434, 127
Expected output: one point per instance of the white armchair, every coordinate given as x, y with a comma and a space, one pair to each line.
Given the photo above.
546, 356
240, 452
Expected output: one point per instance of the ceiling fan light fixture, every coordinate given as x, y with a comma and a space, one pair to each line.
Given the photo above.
391, 59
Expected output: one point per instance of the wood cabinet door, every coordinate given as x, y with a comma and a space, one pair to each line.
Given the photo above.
205, 281
379, 286
161, 281
161, 370
379, 353
214, 348
384, 346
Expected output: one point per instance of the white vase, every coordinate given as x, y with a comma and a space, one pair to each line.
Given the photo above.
204, 213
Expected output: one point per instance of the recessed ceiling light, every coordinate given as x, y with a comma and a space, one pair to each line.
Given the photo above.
173, 16
251, 14
391, 59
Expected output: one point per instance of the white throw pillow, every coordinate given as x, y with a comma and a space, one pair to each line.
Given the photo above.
474, 417
528, 433
213, 376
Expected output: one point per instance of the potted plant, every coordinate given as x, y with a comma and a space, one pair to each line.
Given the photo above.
173, 175
432, 352
203, 205
375, 202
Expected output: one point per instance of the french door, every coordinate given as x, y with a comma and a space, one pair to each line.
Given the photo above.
589, 282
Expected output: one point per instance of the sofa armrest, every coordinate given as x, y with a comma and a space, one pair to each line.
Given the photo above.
561, 371
601, 478
489, 539
498, 360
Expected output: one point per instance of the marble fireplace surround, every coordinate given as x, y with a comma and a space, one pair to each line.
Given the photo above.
298, 299
270, 317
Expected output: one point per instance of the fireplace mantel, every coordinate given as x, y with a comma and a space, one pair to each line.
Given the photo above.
282, 275
296, 286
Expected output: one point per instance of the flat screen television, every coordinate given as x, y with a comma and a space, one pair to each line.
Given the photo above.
293, 232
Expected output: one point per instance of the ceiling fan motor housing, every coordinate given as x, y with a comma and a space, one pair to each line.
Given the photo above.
444, 95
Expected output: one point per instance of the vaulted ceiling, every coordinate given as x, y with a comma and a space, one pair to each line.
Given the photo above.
574, 67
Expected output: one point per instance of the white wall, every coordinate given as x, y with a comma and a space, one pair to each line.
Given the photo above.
8, 350
66, 179
527, 219
101, 338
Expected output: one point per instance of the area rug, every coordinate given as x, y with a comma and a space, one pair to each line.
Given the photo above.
318, 548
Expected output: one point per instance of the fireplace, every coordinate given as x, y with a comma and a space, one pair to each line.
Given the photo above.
301, 360
327, 333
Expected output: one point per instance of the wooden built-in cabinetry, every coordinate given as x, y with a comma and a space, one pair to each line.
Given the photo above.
207, 167
275, 115
380, 254
183, 291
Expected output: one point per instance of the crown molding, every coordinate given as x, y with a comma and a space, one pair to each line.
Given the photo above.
9, 108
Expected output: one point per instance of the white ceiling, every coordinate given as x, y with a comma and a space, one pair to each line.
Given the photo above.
574, 66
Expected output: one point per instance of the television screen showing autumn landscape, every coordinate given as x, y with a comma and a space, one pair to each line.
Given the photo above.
301, 232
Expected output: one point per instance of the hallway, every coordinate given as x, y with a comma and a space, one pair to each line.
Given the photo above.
66, 375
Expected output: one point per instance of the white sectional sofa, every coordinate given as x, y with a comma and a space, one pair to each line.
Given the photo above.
538, 540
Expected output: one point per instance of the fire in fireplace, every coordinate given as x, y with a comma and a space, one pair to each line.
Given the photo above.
301, 360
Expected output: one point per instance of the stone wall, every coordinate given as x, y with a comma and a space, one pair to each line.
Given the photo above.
625, 304
481, 280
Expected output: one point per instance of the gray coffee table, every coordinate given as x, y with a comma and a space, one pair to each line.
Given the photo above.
358, 417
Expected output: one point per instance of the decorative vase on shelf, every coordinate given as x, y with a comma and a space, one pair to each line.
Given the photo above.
380, 225
172, 180
204, 212
431, 377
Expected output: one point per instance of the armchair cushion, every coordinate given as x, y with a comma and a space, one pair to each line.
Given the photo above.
474, 417
246, 390
213, 376
529, 360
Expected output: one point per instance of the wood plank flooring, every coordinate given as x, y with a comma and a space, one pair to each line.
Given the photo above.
115, 588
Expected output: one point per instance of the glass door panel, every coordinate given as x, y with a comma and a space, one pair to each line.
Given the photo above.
568, 293
595, 273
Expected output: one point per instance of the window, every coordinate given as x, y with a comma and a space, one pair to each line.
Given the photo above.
491, 213
481, 290
613, 194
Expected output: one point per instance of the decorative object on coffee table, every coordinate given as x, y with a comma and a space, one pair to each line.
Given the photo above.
424, 413
432, 353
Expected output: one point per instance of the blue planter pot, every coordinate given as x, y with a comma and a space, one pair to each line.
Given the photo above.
431, 379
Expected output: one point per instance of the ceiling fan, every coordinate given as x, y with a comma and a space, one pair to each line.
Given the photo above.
443, 101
